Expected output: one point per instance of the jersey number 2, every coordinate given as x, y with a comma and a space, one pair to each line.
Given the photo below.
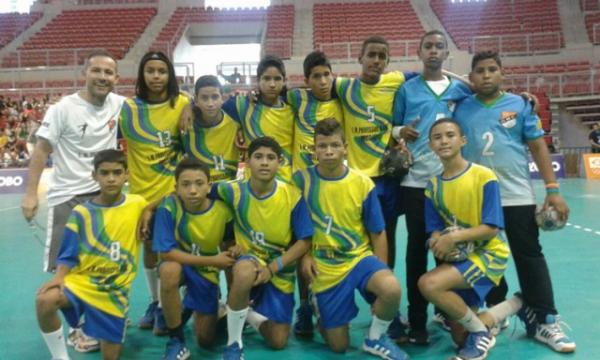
489, 141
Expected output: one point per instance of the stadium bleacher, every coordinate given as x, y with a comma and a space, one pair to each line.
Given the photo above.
113, 29
339, 28
13, 24
519, 26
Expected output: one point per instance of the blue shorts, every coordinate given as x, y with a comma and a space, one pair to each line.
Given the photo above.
98, 324
388, 193
201, 295
271, 302
480, 284
335, 306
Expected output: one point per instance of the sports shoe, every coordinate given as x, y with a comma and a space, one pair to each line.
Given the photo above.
418, 337
160, 325
497, 329
304, 325
477, 346
551, 333
441, 320
528, 317
176, 350
397, 330
385, 348
147, 320
233, 352
85, 344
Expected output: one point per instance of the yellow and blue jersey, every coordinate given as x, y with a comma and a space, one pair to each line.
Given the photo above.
197, 233
153, 145
264, 225
416, 104
367, 118
308, 111
100, 247
214, 146
341, 223
468, 200
258, 119
497, 136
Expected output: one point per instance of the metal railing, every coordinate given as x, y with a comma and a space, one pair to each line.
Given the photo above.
518, 43
351, 50
557, 85
51, 57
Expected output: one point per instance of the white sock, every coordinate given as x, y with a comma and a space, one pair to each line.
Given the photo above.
158, 292
471, 322
378, 327
152, 281
505, 309
235, 325
56, 344
255, 319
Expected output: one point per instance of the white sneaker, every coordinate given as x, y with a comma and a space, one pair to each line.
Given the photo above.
81, 342
497, 329
551, 333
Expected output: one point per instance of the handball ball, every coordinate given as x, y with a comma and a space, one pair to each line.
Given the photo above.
461, 250
548, 220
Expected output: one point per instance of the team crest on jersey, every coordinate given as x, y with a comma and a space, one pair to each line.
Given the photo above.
508, 119
451, 106
111, 124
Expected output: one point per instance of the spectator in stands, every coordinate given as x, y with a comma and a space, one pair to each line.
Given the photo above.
594, 138
234, 78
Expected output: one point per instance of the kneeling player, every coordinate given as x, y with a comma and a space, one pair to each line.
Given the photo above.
465, 197
97, 262
349, 249
188, 231
267, 212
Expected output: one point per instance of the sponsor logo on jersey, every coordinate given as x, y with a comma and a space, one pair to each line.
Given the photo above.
508, 119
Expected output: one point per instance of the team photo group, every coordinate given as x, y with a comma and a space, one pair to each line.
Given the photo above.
288, 190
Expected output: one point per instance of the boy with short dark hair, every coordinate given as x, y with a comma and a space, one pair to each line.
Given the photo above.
97, 263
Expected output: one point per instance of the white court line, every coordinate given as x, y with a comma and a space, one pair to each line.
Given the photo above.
10, 208
586, 229
577, 226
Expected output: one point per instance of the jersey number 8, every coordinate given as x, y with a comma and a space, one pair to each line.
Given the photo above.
115, 251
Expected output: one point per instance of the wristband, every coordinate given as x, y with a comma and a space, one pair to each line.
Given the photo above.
279, 264
552, 191
552, 185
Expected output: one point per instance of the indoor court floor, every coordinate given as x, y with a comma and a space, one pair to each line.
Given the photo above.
573, 256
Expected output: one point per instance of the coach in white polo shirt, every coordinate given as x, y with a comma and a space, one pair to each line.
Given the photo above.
73, 131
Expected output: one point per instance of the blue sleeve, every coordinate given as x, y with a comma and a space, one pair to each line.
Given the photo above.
163, 234
491, 212
399, 108
301, 221
69, 249
230, 108
372, 214
433, 220
409, 75
229, 233
214, 192
532, 126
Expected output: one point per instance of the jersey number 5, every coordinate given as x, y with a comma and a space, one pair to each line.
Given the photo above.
371, 112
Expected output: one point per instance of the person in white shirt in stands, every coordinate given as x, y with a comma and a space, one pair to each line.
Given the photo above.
73, 131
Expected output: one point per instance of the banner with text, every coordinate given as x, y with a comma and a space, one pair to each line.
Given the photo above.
558, 165
592, 166
13, 181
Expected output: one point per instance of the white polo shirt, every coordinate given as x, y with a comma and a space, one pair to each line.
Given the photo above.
77, 130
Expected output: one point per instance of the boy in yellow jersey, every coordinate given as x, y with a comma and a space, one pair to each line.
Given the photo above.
270, 115
463, 214
310, 106
349, 247
97, 263
149, 126
188, 231
367, 102
268, 214
211, 138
